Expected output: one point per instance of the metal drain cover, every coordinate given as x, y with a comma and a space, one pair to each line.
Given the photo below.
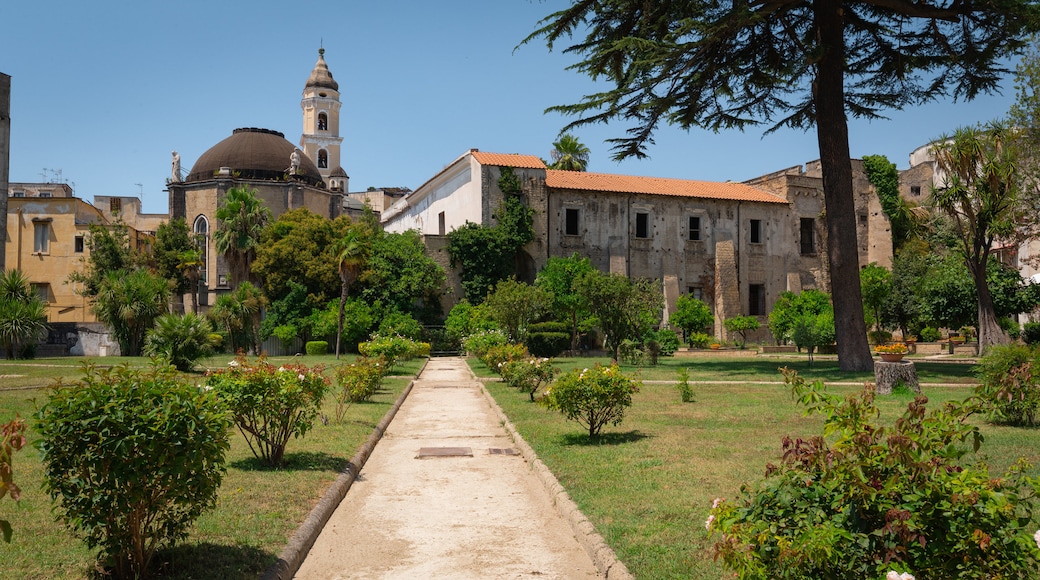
426, 452
503, 451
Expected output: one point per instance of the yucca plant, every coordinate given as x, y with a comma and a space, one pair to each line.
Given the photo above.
23, 314
179, 340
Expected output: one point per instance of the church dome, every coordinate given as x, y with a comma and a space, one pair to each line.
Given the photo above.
252, 153
320, 76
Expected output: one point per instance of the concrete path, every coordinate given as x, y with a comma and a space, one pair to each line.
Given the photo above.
442, 496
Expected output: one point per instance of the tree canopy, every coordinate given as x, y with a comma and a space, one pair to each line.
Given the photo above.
569, 154
242, 218
719, 65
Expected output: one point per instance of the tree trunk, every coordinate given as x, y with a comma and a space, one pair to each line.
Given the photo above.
989, 331
833, 135
342, 305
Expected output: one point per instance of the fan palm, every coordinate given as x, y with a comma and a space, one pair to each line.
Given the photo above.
569, 154
129, 303
351, 252
242, 217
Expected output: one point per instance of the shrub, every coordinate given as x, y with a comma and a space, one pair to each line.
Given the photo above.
879, 336
358, 381
742, 325
528, 375
700, 340
592, 397
551, 326
1031, 332
477, 344
179, 340
133, 457
12, 439
1009, 384
863, 499
691, 315
929, 334
270, 405
393, 349
668, 341
401, 324
548, 344
1011, 327
631, 352
683, 385
287, 334
316, 347
465, 320
497, 356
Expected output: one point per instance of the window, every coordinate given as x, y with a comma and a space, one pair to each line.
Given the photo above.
757, 299
440, 224
756, 231
323, 159
201, 229
808, 236
571, 226
41, 237
42, 290
863, 219
18, 194
915, 190
78, 245
45, 194
696, 292
115, 205
695, 228
642, 225
323, 122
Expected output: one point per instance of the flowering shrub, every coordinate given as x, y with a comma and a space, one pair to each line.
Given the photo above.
132, 458
864, 500
896, 348
477, 344
358, 381
393, 348
496, 357
592, 397
12, 439
1009, 384
528, 375
270, 404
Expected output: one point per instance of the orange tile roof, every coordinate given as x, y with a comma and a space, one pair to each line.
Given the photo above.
508, 160
581, 180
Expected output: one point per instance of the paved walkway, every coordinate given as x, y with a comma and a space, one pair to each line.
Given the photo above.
443, 497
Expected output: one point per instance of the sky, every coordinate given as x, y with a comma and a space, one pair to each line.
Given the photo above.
102, 92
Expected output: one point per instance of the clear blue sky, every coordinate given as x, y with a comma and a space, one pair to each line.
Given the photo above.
104, 91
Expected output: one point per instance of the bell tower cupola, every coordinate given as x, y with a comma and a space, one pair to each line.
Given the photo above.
320, 141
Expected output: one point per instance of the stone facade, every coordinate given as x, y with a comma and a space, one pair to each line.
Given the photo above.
736, 246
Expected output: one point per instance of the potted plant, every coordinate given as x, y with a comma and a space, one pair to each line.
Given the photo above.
715, 346
891, 352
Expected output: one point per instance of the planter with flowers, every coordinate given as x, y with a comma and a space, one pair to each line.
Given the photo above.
891, 352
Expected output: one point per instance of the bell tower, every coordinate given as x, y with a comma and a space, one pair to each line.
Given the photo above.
320, 140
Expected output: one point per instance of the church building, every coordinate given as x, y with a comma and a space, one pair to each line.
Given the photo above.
285, 177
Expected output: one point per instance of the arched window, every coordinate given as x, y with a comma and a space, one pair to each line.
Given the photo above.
201, 229
323, 159
323, 122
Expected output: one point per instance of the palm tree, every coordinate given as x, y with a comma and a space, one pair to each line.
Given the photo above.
569, 154
190, 262
242, 217
129, 303
238, 312
351, 253
23, 314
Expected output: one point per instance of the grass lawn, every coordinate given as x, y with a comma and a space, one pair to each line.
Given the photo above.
258, 508
648, 483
